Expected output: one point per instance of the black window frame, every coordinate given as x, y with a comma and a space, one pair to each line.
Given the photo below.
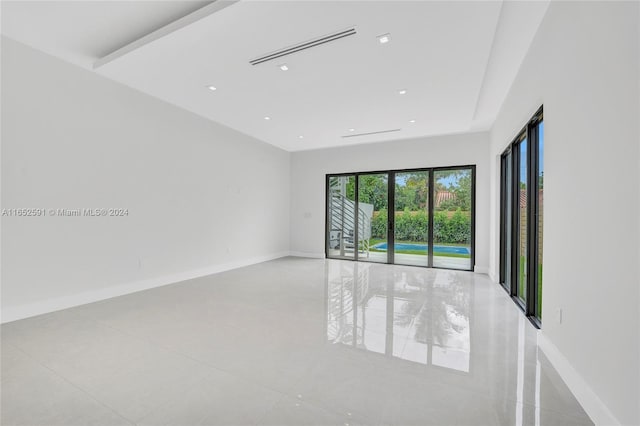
391, 217
529, 133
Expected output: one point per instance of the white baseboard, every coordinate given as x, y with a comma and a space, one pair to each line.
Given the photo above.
481, 269
14, 313
592, 404
307, 254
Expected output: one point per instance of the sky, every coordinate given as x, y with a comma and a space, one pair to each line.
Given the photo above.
401, 179
523, 165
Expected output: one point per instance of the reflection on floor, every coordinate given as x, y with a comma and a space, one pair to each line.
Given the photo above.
415, 317
411, 259
288, 342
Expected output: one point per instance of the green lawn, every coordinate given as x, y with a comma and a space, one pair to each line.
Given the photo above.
522, 284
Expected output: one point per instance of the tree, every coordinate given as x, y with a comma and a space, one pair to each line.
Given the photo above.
373, 190
412, 192
458, 183
541, 180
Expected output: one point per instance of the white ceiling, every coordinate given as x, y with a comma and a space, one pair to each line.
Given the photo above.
456, 60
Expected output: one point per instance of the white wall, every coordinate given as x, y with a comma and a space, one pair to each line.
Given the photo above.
308, 170
201, 197
583, 66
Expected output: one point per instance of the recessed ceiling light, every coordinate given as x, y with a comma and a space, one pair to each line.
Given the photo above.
212, 88
402, 92
352, 130
384, 38
267, 118
283, 67
412, 121
300, 137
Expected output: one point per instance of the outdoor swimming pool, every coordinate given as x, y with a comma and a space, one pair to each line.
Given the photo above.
424, 247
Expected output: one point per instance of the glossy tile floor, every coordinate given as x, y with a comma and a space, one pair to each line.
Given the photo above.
288, 342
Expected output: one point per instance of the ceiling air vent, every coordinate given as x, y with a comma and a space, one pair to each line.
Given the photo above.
371, 133
303, 46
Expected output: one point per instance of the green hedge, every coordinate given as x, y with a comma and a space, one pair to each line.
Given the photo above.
379, 225
415, 226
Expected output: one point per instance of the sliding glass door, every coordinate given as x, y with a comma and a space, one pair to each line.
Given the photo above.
538, 213
522, 172
452, 228
341, 217
373, 199
411, 218
521, 220
506, 228
417, 217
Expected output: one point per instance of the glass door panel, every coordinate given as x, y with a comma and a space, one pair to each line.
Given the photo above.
411, 230
341, 217
523, 204
508, 216
452, 219
373, 196
540, 175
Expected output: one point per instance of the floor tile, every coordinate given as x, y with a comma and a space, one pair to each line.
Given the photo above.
220, 399
295, 412
35, 396
84, 352
147, 383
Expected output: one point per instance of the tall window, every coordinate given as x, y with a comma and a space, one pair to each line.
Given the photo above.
521, 195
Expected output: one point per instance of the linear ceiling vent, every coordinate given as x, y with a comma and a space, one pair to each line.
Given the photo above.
371, 133
303, 46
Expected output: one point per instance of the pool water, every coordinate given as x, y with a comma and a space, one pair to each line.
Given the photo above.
424, 247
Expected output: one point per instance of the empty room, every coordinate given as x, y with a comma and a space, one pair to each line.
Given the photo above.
307, 212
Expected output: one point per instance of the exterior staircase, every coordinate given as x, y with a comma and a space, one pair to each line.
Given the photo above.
342, 229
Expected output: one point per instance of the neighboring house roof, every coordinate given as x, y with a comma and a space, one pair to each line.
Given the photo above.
523, 197
444, 196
